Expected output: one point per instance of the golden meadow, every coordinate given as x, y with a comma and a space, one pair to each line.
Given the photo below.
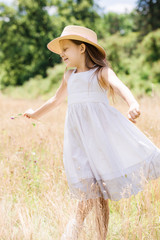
34, 199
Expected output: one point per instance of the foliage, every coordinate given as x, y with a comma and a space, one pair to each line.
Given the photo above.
38, 86
148, 55
151, 46
119, 49
27, 27
24, 37
148, 15
79, 12
135, 62
123, 23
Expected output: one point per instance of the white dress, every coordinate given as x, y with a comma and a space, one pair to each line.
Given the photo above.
104, 154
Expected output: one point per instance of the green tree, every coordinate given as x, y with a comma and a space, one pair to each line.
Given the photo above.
80, 12
25, 32
149, 12
122, 23
111, 22
26, 29
151, 46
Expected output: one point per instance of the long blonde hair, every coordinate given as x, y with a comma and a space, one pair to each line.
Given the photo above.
96, 57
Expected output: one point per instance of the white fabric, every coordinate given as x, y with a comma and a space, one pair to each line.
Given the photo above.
104, 153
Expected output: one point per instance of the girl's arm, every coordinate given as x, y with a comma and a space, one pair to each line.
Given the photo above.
119, 87
53, 102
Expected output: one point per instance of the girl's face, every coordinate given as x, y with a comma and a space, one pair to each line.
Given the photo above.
71, 53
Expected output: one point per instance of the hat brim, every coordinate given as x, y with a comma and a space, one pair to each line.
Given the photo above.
54, 45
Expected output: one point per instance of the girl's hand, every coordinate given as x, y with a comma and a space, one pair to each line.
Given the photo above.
133, 112
29, 114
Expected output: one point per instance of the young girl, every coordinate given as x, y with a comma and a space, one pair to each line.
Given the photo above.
105, 155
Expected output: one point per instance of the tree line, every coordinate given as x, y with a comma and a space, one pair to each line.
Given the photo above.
27, 27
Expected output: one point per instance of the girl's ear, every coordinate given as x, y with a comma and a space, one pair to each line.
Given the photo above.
82, 48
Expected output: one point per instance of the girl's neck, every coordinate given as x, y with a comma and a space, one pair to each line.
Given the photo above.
84, 68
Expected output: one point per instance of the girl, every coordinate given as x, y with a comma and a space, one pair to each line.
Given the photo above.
105, 155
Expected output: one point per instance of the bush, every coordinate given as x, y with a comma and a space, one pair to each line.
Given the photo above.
38, 86
150, 46
119, 50
154, 75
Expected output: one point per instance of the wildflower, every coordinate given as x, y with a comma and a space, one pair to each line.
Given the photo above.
20, 114
13, 117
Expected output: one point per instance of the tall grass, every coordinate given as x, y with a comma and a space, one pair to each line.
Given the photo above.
34, 198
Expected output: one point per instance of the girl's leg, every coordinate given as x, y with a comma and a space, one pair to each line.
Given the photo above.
102, 217
75, 225
83, 208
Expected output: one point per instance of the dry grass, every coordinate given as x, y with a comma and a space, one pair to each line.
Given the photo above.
34, 198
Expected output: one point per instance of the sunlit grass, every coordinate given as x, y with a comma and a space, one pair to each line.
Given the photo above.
34, 198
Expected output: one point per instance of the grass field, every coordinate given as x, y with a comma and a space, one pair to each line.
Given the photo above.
34, 200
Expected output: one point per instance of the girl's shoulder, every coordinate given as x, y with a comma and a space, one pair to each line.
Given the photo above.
104, 72
67, 74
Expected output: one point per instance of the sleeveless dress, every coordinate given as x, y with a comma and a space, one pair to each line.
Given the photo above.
104, 153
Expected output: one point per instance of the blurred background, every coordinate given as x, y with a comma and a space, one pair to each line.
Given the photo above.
129, 31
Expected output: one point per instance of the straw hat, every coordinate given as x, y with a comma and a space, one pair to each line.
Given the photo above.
76, 33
